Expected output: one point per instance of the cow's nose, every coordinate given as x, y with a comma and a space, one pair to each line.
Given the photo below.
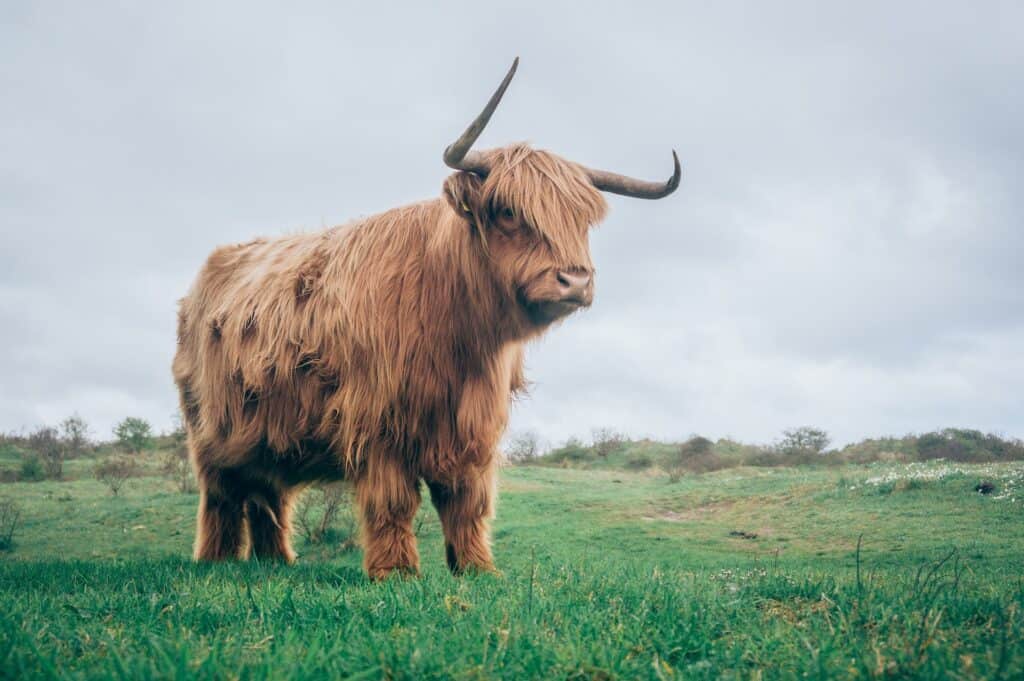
576, 287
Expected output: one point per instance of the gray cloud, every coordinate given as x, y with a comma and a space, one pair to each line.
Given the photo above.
845, 248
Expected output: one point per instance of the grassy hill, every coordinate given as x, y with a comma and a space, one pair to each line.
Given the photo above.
746, 572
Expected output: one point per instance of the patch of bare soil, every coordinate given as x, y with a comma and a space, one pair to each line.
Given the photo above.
743, 534
695, 513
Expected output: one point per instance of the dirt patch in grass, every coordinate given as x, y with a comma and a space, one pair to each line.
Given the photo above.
743, 534
690, 514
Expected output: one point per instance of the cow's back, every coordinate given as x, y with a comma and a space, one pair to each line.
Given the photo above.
248, 378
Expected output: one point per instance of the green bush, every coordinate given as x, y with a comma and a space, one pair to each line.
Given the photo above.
765, 457
607, 441
114, 472
10, 515
32, 469
325, 513
938, 446
49, 449
572, 451
804, 440
134, 435
698, 455
967, 446
639, 461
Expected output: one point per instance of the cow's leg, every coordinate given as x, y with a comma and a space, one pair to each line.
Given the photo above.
388, 496
466, 508
269, 513
220, 526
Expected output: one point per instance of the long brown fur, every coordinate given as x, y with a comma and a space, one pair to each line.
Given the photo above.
383, 352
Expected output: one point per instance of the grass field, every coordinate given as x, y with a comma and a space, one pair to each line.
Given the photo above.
742, 573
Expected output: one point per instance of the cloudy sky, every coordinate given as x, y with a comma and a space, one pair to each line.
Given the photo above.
845, 249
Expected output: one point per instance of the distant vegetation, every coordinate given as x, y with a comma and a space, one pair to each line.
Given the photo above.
68, 453
114, 472
797, 447
326, 513
45, 452
134, 434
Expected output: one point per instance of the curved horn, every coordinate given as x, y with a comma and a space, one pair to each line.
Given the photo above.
640, 189
458, 154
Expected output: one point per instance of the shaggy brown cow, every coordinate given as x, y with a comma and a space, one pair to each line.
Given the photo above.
384, 352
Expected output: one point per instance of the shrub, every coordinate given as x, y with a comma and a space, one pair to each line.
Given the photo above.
10, 516
319, 509
606, 441
878, 449
49, 449
32, 469
800, 457
767, 456
639, 461
114, 473
697, 455
522, 447
804, 440
1002, 449
939, 446
75, 434
177, 466
675, 474
572, 451
134, 434
785, 455
965, 445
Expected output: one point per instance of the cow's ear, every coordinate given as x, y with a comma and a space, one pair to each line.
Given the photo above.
462, 191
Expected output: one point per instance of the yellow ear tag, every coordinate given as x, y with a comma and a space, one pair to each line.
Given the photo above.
465, 208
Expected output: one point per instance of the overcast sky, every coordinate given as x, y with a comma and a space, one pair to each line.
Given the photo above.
845, 249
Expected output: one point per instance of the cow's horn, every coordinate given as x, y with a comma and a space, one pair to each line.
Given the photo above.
640, 189
458, 154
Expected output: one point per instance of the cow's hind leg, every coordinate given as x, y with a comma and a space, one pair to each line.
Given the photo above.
269, 513
465, 509
220, 526
388, 497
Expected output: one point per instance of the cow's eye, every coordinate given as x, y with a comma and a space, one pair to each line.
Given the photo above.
508, 213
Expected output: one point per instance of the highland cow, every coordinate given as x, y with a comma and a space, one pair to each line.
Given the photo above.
385, 353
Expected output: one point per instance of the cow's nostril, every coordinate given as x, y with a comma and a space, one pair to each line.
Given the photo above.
575, 285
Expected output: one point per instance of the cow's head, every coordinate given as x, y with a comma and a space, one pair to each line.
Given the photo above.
530, 212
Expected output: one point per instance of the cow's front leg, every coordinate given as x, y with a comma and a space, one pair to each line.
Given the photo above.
466, 507
388, 497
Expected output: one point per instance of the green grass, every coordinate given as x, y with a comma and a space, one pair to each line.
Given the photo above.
607, 574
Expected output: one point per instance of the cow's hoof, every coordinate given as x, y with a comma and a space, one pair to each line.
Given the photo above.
381, 574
